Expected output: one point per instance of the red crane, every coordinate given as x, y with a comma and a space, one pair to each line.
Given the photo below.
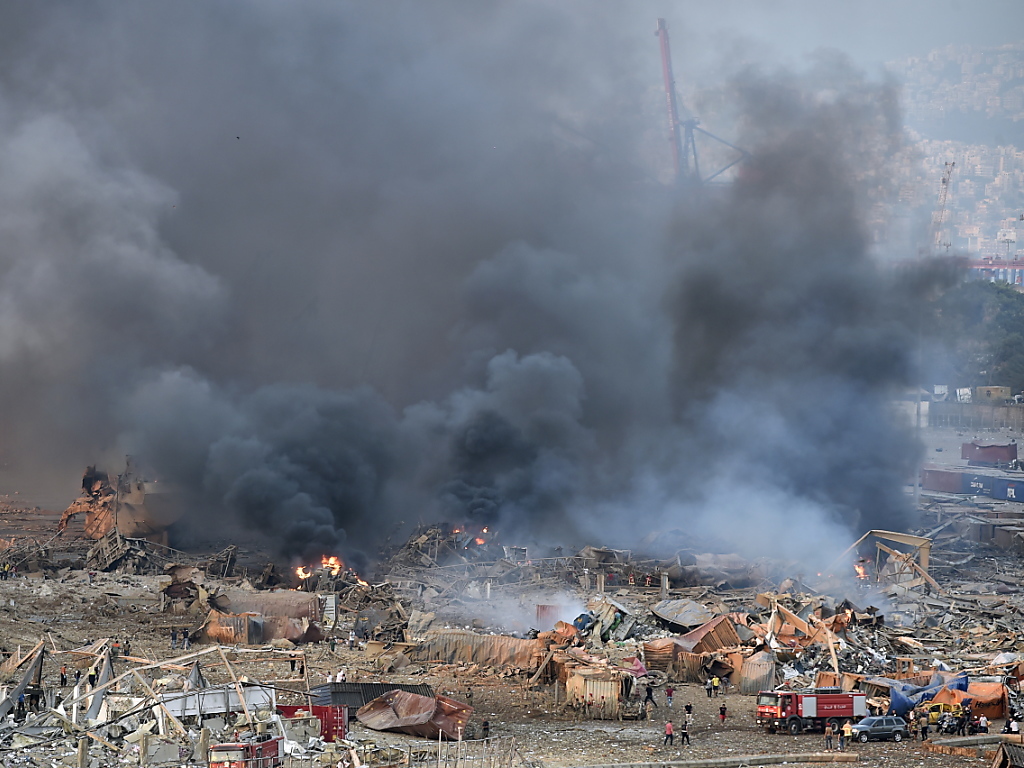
684, 148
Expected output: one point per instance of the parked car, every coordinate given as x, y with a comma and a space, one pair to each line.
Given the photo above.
882, 728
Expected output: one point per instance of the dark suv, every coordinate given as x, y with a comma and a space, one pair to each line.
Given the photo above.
886, 727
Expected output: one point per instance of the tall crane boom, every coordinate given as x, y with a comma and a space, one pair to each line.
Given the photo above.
943, 194
673, 109
683, 132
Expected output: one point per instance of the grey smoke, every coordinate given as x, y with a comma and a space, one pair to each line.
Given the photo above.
434, 277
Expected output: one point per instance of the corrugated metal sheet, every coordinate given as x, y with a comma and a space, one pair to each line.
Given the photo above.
684, 613
713, 636
423, 716
250, 629
597, 693
355, 695
452, 646
229, 629
294, 605
757, 674
690, 667
659, 654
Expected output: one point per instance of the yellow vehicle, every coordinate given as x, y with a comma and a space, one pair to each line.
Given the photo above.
936, 711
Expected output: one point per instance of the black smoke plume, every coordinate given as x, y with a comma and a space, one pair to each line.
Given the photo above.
342, 267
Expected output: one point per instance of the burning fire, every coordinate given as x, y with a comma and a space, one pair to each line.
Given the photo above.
861, 569
331, 564
479, 541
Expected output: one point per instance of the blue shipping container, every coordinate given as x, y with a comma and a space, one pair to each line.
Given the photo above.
978, 485
1008, 489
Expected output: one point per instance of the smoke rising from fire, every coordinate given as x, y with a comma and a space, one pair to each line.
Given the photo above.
337, 269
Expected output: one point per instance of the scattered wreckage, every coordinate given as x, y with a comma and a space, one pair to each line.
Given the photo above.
901, 624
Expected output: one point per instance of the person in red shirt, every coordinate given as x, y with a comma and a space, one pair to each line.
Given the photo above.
669, 734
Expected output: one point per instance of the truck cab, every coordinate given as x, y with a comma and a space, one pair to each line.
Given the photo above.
259, 753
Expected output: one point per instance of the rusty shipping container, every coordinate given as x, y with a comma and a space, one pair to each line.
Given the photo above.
978, 453
942, 480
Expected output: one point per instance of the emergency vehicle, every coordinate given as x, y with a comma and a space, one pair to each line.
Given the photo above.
264, 753
810, 710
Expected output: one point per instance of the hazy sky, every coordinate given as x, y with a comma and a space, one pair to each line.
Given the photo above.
869, 31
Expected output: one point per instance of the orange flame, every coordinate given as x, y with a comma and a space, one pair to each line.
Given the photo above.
302, 572
332, 563
861, 569
479, 541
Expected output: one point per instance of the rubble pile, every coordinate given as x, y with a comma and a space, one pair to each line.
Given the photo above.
462, 629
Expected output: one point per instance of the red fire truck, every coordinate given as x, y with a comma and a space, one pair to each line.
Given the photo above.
809, 710
247, 754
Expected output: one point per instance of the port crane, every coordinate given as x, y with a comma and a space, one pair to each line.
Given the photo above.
682, 133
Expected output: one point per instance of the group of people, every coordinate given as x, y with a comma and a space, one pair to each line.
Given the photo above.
684, 725
186, 641
845, 733
713, 686
8, 571
962, 724
683, 729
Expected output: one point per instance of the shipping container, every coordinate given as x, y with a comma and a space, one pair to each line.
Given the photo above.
1006, 536
1008, 489
942, 480
977, 484
991, 394
988, 454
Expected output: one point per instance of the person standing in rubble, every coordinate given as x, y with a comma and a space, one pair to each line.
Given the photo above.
828, 736
716, 684
684, 732
722, 712
708, 687
845, 733
174, 638
649, 697
669, 735
63, 676
668, 695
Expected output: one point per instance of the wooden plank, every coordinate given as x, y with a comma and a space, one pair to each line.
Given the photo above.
238, 686
159, 703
